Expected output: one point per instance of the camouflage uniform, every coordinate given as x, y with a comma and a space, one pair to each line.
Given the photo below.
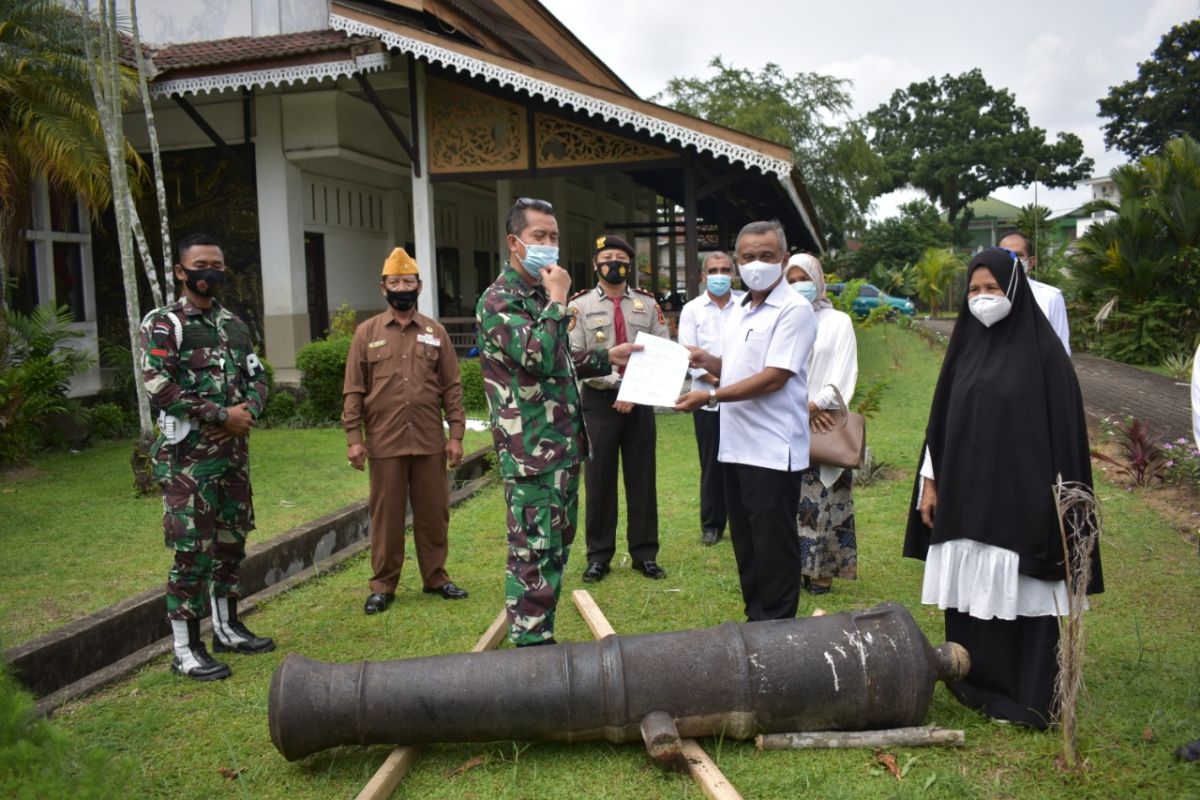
529, 376
196, 362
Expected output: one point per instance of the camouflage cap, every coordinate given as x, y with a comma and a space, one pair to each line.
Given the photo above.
400, 263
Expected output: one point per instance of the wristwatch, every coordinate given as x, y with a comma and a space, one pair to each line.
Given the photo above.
222, 415
712, 399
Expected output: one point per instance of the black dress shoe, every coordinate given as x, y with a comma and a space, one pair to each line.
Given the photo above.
378, 602
447, 590
710, 536
650, 569
538, 644
595, 572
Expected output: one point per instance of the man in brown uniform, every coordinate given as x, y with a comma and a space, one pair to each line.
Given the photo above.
401, 377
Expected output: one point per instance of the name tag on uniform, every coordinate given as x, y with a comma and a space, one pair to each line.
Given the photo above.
429, 339
377, 343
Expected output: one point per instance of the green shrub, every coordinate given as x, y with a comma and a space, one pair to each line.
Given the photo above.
474, 400
344, 321
109, 421
36, 368
281, 407
118, 359
322, 367
37, 759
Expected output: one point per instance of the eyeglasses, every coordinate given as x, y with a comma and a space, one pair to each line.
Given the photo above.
535, 204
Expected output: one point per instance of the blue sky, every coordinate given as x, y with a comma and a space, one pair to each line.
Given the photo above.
1058, 57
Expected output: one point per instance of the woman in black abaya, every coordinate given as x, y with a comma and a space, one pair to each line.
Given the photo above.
1006, 422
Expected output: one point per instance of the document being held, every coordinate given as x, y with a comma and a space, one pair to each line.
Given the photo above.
654, 375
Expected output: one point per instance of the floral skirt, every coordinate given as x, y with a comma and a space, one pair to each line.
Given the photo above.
825, 524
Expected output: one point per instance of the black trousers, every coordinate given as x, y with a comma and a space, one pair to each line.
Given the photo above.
632, 438
712, 471
762, 526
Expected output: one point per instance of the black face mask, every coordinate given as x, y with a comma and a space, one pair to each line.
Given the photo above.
613, 271
402, 301
203, 281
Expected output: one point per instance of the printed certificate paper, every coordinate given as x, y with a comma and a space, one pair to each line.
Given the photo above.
654, 376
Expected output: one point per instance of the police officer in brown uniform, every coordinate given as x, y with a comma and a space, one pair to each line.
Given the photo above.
610, 314
401, 379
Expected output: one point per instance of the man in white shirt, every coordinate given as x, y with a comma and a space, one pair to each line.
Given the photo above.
702, 324
764, 423
1049, 298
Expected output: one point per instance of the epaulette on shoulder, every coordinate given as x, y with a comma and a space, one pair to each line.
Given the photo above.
578, 294
646, 292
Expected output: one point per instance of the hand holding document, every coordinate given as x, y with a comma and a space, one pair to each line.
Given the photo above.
655, 373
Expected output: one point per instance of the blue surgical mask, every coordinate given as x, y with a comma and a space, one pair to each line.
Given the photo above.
806, 289
719, 284
538, 257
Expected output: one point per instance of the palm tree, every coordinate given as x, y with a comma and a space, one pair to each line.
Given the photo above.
1139, 265
49, 127
935, 271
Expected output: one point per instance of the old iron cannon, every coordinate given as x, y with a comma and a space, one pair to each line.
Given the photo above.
858, 670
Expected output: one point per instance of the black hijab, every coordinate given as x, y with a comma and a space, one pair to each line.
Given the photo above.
1007, 419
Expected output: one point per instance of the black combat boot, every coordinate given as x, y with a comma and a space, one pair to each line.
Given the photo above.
230, 635
191, 657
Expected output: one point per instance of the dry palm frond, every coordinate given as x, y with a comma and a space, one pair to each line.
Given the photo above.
1079, 525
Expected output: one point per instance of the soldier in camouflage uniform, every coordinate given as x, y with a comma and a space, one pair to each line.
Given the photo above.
209, 388
529, 376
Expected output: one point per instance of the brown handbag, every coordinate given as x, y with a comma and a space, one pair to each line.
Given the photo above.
846, 445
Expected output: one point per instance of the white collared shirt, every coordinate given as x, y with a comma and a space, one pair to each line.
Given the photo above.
1050, 301
702, 324
769, 431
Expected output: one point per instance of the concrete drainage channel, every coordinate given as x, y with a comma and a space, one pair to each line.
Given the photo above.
103, 647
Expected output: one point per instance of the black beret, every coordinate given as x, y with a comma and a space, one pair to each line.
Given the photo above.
612, 242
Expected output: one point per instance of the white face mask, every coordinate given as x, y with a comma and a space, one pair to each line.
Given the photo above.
758, 276
989, 308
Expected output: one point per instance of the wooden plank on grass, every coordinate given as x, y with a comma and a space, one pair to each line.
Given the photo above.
706, 773
396, 765
596, 621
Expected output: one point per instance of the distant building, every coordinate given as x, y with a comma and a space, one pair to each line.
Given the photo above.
991, 219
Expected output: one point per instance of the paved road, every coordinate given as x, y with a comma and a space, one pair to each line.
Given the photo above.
1118, 390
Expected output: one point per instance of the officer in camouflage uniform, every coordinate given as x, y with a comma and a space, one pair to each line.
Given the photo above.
208, 388
529, 376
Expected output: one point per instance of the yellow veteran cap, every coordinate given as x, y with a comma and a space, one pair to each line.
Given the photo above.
400, 263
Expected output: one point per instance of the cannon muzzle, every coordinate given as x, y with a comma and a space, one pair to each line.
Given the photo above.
858, 670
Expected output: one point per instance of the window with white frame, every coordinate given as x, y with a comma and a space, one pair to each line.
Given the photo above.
59, 268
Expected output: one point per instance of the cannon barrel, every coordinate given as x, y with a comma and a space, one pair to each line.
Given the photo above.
857, 670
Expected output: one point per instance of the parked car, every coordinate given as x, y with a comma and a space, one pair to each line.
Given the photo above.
870, 296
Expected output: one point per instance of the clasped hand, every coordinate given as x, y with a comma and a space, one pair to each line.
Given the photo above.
238, 423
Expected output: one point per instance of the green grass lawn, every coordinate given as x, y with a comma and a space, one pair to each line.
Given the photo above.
76, 538
170, 736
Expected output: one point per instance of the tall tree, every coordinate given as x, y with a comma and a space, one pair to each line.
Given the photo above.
957, 139
49, 128
808, 112
894, 244
1163, 102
